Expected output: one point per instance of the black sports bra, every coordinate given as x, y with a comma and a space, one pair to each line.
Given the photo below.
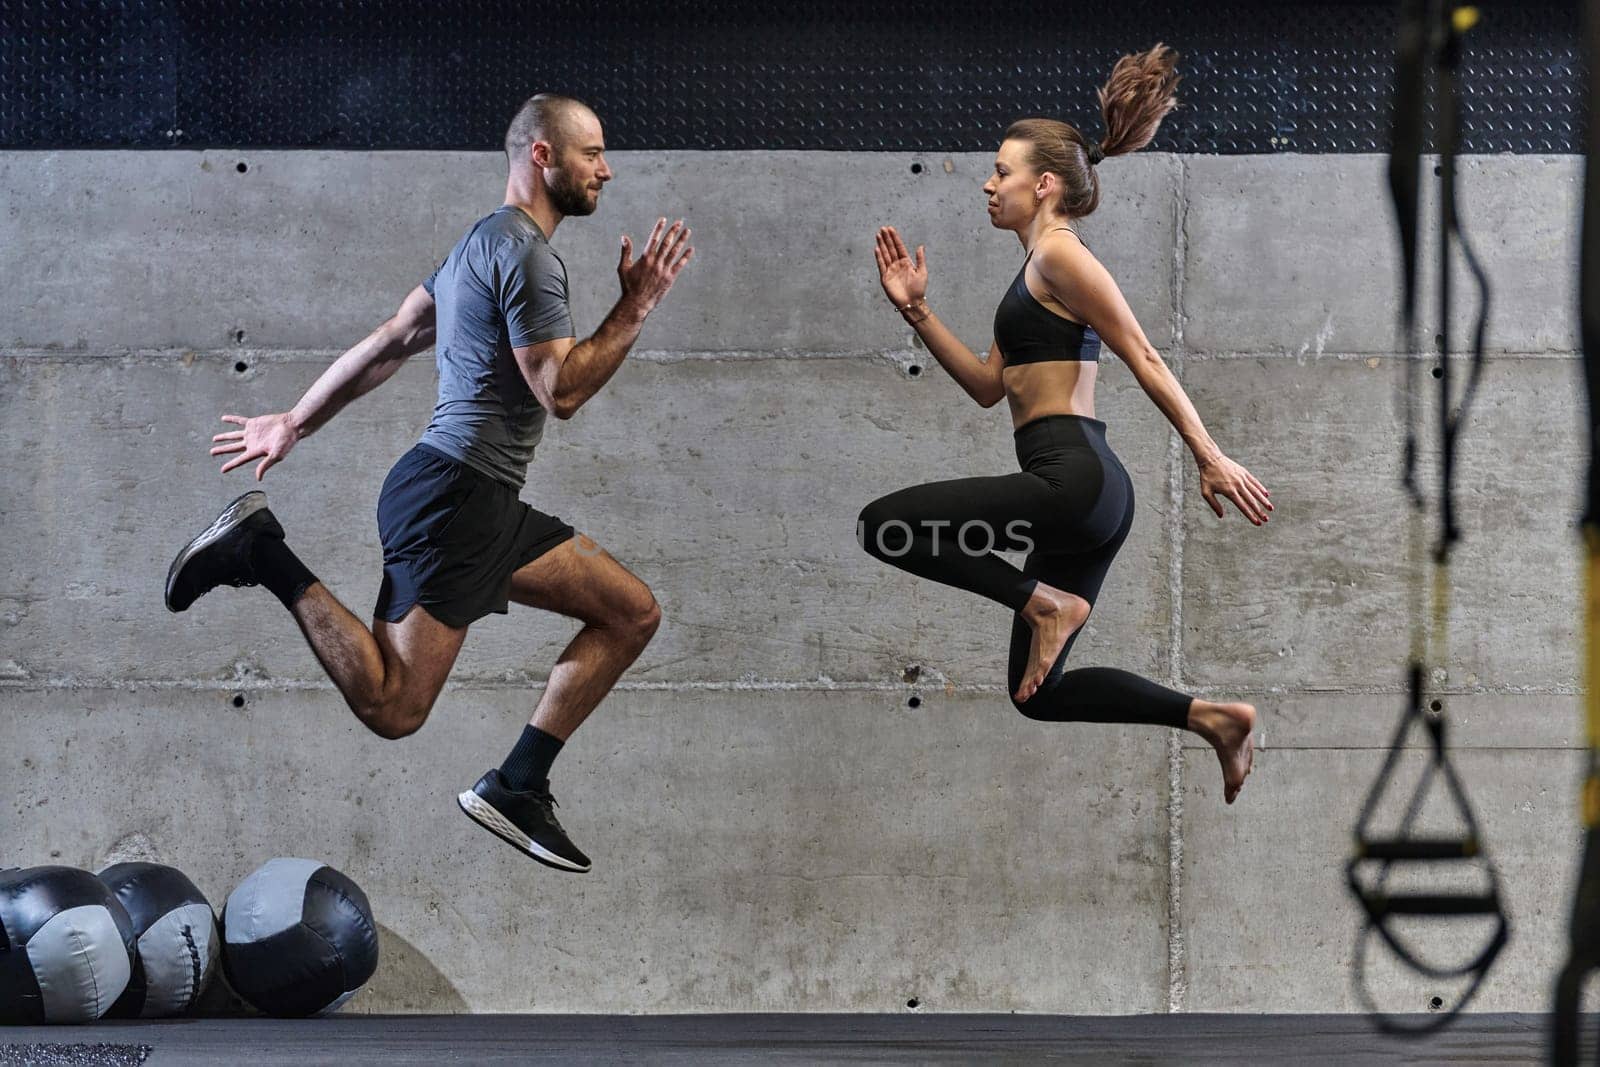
1029, 333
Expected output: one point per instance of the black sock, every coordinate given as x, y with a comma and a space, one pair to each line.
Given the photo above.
529, 763
280, 570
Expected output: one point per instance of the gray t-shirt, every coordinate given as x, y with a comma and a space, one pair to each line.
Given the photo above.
502, 287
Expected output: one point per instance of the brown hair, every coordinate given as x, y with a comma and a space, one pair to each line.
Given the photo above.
1139, 94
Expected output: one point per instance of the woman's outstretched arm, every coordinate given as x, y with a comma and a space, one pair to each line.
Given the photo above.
1084, 287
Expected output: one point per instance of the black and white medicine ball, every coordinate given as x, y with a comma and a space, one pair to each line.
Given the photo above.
298, 938
175, 935
66, 946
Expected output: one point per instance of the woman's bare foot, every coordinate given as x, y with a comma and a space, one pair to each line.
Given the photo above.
1055, 616
1231, 730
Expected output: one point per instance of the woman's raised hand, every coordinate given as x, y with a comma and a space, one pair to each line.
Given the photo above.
905, 281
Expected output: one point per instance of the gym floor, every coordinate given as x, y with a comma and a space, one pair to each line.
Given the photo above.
396, 1041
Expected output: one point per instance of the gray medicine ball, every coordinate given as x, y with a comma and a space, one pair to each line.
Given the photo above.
298, 938
175, 935
66, 946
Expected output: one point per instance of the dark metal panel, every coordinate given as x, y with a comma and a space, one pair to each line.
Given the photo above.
89, 74
894, 75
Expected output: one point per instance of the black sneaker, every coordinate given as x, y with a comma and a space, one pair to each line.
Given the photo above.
221, 554
526, 820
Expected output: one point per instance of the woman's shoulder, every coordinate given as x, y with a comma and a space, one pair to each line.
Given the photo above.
1061, 254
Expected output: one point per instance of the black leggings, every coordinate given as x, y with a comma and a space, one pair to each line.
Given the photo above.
1070, 509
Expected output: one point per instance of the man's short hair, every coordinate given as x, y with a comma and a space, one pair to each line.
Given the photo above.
542, 117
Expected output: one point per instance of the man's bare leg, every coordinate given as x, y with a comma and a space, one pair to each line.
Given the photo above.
578, 579
581, 580
389, 675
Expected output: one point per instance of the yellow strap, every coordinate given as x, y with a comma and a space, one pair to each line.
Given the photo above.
1416, 586
1440, 634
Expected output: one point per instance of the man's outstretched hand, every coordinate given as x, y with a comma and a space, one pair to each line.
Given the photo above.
265, 437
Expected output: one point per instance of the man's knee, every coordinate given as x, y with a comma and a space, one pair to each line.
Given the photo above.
395, 718
633, 616
645, 619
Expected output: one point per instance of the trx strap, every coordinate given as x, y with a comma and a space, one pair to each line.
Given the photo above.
1584, 941
1431, 33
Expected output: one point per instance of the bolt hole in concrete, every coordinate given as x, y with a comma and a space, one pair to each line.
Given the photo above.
916, 168
1437, 169
238, 700
1435, 1003
242, 167
914, 370
1437, 705
1437, 372
913, 1003
914, 702
241, 366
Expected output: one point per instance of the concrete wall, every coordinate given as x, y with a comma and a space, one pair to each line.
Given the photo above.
774, 826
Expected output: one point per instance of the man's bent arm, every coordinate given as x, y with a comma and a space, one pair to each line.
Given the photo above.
563, 375
367, 365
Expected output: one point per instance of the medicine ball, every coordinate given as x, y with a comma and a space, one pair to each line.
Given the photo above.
66, 946
175, 936
298, 938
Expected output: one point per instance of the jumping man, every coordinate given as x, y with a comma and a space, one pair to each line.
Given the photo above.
457, 542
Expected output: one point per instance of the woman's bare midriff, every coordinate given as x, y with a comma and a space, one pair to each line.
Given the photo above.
1035, 390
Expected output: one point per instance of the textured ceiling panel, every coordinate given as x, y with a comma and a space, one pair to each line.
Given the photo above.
891, 76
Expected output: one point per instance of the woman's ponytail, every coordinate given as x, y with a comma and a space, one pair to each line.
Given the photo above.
1133, 101
1141, 91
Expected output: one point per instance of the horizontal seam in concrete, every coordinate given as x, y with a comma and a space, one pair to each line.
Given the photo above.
250, 684
1385, 690
701, 685
1311, 357
1177, 747
890, 355
189, 355
1419, 746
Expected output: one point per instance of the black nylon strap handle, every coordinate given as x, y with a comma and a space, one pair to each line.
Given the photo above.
1435, 904
1418, 848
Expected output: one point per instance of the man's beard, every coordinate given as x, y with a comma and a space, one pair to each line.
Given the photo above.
570, 196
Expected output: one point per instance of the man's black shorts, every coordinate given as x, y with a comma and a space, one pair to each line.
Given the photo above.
452, 537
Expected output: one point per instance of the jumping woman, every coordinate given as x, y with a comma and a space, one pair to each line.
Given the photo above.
1071, 506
